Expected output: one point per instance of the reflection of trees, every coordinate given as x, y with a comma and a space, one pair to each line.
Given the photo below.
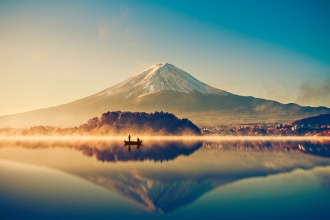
112, 151
168, 150
158, 152
157, 123
321, 149
141, 122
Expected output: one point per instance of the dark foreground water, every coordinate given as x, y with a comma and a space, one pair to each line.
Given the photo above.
165, 180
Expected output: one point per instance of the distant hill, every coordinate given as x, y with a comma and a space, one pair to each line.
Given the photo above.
157, 123
312, 126
316, 125
314, 121
123, 123
164, 87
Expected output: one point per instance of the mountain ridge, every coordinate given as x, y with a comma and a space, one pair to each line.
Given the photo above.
164, 87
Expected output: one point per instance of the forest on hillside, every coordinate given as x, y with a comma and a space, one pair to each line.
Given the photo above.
117, 122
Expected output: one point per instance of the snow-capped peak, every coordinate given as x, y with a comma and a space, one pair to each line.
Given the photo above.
161, 77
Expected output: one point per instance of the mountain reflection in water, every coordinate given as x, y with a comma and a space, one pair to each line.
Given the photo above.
190, 170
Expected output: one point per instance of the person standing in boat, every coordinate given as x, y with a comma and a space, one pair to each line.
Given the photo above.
138, 140
129, 137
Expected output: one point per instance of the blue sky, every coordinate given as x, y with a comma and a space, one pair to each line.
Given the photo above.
53, 52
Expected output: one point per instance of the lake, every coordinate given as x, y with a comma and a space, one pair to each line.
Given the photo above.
195, 178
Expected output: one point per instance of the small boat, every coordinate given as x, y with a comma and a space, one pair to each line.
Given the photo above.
133, 142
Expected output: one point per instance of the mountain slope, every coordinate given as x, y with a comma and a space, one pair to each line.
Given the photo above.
164, 87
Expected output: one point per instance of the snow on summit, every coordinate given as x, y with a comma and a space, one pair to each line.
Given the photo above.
161, 77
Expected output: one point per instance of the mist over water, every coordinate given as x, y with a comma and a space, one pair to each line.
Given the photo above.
165, 178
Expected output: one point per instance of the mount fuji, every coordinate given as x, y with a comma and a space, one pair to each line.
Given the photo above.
164, 87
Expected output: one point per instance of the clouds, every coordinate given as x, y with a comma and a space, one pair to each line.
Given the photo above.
314, 92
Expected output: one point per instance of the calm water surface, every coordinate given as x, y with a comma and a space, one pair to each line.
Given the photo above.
164, 179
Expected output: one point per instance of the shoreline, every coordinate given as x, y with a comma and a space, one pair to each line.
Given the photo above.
169, 138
